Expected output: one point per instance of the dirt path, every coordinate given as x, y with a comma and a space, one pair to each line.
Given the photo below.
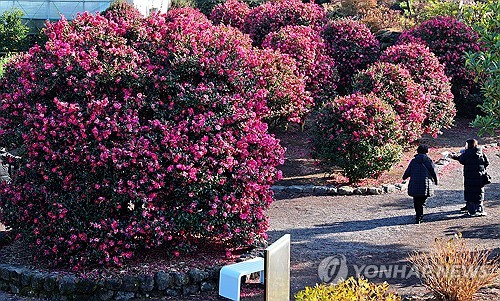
378, 230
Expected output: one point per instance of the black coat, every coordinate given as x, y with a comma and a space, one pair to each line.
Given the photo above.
475, 163
423, 176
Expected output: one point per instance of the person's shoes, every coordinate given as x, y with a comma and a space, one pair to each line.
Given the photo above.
463, 209
418, 220
477, 214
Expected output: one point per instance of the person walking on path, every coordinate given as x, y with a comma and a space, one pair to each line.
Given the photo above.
423, 177
475, 162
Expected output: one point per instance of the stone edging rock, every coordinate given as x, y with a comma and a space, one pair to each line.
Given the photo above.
348, 190
66, 287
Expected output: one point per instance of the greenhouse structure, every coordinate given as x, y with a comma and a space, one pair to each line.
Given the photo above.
37, 11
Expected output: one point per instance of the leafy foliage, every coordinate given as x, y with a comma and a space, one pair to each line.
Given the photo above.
486, 63
13, 33
349, 289
358, 133
426, 70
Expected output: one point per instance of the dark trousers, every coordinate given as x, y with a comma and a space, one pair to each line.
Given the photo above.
419, 203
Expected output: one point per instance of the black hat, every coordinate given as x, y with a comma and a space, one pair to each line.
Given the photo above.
422, 149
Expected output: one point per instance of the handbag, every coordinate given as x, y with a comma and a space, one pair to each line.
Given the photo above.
486, 179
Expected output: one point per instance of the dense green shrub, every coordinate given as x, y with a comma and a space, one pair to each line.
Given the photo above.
352, 46
358, 133
274, 15
485, 18
13, 33
138, 133
449, 39
350, 289
306, 46
394, 85
426, 70
182, 4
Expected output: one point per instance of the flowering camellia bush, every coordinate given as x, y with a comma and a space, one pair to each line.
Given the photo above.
134, 135
353, 47
394, 85
426, 70
358, 133
287, 98
306, 46
449, 39
273, 15
231, 12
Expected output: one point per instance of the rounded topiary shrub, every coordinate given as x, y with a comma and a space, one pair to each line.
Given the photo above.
231, 12
134, 141
426, 70
306, 46
394, 85
273, 15
450, 39
358, 133
353, 47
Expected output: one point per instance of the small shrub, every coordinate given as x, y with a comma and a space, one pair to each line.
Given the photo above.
272, 16
357, 7
379, 18
394, 85
358, 133
231, 12
352, 46
454, 269
13, 33
351, 289
449, 39
426, 70
306, 46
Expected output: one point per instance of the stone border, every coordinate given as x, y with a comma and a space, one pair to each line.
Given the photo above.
67, 287
313, 190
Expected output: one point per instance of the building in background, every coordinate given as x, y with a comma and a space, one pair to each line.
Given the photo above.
37, 11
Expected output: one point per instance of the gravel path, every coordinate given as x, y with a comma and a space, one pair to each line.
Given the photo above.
380, 230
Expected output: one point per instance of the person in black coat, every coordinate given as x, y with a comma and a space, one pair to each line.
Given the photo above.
475, 162
423, 177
